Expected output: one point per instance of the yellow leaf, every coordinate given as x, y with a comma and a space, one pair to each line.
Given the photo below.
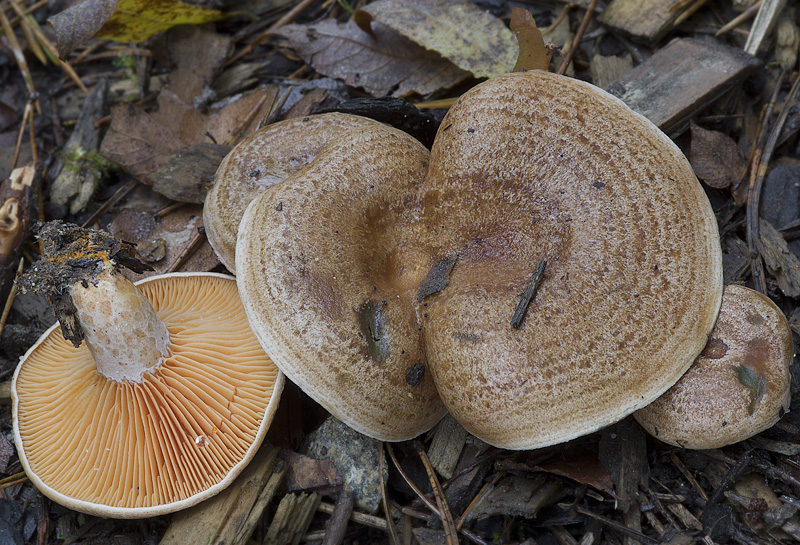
137, 20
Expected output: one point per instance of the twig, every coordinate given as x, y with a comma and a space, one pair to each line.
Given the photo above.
428, 503
482, 492
754, 190
689, 477
337, 525
688, 13
290, 16
20, 58
118, 194
385, 500
187, 252
621, 528
42, 39
527, 296
739, 19
27, 113
10, 300
450, 530
576, 41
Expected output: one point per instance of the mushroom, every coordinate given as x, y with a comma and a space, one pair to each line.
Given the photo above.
263, 159
328, 264
164, 404
739, 384
358, 279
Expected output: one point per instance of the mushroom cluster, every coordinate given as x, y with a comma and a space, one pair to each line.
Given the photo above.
156, 396
552, 266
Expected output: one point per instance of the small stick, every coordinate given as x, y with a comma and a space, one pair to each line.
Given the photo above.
385, 499
739, 19
129, 186
187, 252
527, 297
337, 526
689, 11
450, 530
290, 16
576, 41
11, 295
428, 503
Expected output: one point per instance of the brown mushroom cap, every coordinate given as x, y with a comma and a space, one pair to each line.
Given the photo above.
739, 384
139, 449
532, 166
263, 159
327, 264
333, 267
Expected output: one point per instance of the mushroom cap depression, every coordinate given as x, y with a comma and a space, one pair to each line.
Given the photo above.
265, 158
738, 386
140, 449
363, 276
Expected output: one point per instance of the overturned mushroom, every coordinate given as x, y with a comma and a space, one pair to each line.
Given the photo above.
739, 384
164, 404
352, 263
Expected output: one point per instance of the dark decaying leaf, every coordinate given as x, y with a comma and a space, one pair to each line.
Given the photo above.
79, 23
381, 63
715, 157
458, 30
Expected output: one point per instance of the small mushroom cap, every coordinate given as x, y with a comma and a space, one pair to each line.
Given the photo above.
737, 387
128, 449
328, 264
533, 166
263, 159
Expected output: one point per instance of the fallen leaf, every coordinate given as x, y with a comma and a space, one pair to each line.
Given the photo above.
381, 63
460, 31
80, 23
123, 21
141, 141
715, 157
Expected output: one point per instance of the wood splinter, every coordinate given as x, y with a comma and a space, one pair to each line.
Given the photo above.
527, 296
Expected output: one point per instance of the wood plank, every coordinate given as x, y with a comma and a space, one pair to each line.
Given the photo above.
642, 20
682, 79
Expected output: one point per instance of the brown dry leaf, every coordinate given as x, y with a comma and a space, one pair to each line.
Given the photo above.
141, 141
306, 473
715, 157
381, 63
79, 23
460, 31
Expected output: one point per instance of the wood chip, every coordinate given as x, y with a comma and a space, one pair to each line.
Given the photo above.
647, 20
682, 79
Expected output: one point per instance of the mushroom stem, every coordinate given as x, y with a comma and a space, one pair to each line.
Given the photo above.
121, 328
79, 275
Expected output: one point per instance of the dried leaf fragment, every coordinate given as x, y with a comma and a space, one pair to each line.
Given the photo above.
123, 20
460, 31
532, 51
715, 157
382, 63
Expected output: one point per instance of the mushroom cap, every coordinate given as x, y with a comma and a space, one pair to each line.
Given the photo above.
533, 166
327, 264
263, 159
127, 449
737, 387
